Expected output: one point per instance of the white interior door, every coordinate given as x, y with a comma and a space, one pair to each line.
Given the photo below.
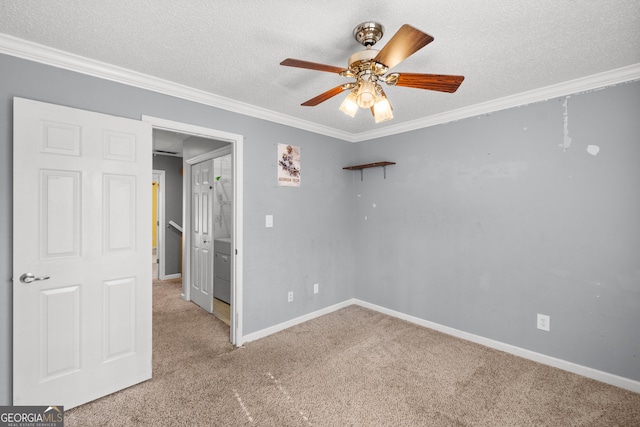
202, 234
82, 323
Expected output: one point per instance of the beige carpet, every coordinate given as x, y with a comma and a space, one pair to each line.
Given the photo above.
354, 367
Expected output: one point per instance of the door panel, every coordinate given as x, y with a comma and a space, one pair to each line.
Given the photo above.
60, 322
119, 318
119, 202
60, 214
81, 209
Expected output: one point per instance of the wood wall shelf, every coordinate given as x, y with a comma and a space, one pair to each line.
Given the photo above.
382, 165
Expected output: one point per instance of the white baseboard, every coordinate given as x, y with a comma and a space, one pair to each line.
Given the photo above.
585, 371
289, 323
595, 374
172, 276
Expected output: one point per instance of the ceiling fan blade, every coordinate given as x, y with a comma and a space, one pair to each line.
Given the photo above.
403, 44
290, 62
439, 82
324, 96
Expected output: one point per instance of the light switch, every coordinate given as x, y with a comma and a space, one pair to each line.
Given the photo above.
268, 222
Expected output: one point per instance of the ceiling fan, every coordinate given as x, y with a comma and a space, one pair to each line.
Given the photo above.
370, 67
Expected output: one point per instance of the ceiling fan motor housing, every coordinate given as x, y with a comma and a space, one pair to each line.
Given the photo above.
362, 64
359, 58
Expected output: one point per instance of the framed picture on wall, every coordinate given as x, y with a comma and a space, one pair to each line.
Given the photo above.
288, 165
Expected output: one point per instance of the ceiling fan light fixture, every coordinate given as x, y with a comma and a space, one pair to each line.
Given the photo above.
366, 95
349, 106
382, 110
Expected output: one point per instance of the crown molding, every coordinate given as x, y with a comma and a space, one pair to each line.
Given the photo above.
581, 85
24, 49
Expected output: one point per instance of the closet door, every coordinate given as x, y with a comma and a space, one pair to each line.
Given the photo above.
202, 234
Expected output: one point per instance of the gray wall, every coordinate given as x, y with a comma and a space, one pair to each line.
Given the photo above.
487, 221
311, 241
172, 209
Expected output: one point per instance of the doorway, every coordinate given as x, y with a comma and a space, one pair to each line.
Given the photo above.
157, 224
213, 140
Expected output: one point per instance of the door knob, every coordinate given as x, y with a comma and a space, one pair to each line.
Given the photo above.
29, 277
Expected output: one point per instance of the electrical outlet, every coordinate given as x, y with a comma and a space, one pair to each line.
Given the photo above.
290, 296
316, 288
268, 221
544, 322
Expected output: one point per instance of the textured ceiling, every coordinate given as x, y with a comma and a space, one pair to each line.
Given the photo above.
232, 49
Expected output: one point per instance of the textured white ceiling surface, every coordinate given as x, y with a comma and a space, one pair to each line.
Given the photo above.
232, 49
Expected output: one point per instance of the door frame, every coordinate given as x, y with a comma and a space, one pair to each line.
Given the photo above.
160, 174
236, 142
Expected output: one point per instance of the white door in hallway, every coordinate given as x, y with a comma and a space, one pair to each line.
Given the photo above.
202, 234
81, 254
